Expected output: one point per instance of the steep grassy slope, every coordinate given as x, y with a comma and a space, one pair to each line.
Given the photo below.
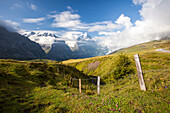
126, 92
151, 59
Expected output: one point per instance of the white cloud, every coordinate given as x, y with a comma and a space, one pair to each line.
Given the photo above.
68, 7
154, 25
66, 19
33, 20
16, 5
33, 7
103, 26
67, 24
72, 35
108, 33
138, 2
124, 21
71, 21
10, 25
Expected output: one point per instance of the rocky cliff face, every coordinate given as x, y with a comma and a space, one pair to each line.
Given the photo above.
16, 46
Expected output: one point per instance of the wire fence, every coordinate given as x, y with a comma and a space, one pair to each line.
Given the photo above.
94, 80
133, 79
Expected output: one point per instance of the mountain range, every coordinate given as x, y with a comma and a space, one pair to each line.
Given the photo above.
63, 48
48, 45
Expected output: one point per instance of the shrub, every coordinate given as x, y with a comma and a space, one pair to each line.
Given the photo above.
123, 67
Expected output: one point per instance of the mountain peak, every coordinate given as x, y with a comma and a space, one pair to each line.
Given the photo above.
39, 34
86, 35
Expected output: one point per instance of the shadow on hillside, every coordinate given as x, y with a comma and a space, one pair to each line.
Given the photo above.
18, 81
13, 93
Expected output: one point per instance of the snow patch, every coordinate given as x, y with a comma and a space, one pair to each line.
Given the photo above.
162, 50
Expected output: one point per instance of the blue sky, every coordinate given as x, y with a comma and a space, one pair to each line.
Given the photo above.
89, 11
112, 23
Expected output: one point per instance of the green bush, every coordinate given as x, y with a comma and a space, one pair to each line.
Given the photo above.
123, 67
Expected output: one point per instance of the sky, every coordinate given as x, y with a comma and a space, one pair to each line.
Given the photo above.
41, 14
113, 23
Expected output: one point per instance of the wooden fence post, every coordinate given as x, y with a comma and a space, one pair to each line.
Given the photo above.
80, 85
139, 71
98, 84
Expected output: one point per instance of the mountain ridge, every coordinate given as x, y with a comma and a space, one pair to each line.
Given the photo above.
81, 46
16, 46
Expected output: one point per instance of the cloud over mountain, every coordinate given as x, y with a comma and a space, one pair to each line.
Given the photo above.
103, 26
153, 25
124, 21
10, 25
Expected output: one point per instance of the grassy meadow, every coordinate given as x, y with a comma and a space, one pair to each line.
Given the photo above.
35, 86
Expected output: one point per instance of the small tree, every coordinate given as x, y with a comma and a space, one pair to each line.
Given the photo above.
123, 67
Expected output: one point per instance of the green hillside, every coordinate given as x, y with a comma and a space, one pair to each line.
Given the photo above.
147, 47
23, 83
45, 87
150, 59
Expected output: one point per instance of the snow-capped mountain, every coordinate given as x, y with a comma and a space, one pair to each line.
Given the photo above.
41, 37
44, 38
39, 33
73, 45
85, 36
80, 46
